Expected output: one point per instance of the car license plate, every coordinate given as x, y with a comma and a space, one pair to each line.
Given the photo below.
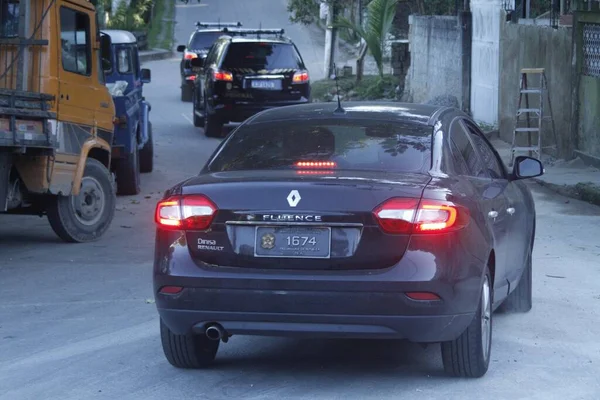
293, 242
267, 84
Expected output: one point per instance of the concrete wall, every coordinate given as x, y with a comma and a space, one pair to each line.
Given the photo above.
435, 58
531, 46
485, 60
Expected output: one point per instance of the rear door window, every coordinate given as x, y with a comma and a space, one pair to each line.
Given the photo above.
363, 145
203, 40
460, 142
257, 56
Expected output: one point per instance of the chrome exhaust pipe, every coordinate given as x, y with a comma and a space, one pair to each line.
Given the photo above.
215, 332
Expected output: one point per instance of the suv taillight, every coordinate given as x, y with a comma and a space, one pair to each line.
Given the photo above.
301, 77
411, 216
189, 55
186, 213
223, 76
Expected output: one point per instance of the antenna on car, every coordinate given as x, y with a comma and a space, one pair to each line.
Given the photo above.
339, 109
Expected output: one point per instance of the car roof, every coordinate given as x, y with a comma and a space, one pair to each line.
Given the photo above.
385, 111
120, 36
269, 39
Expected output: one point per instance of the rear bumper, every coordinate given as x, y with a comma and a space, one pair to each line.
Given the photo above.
422, 329
240, 112
351, 303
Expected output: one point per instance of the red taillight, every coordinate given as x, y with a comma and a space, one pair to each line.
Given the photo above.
190, 78
316, 164
189, 56
193, 212
223, 76
300, 77
170, 289
407, 216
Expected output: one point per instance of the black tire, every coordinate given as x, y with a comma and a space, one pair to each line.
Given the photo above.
198, 121
186, 93
75, 224
147, 153
128, 174
469, 354
520, 300
212, 126
187, 351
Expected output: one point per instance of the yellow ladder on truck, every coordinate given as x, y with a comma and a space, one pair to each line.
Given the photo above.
524, 92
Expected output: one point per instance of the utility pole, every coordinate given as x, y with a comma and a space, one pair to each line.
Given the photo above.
330, 37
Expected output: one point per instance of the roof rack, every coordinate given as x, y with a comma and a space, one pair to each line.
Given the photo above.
257, 32
218, 24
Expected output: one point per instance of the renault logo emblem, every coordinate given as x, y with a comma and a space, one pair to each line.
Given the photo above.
293, 198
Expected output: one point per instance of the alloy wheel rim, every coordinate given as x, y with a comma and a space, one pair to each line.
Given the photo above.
486, 318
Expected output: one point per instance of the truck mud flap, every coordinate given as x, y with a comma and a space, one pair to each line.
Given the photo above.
145, 118
5, 164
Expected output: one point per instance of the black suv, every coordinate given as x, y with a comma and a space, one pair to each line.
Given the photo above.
199, 44
245, 73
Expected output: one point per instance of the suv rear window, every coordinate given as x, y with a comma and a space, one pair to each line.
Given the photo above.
262, 56
204, 40
365, 145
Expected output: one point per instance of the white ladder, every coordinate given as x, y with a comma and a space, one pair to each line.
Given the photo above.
525, 91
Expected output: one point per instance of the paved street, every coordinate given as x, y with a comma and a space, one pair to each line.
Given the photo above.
77, 322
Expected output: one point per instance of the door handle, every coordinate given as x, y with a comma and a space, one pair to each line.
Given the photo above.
510, 210
493, 214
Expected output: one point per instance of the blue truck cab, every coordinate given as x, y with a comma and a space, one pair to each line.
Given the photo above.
133, 146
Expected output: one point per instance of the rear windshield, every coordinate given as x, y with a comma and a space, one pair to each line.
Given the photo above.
352, 145
204, 40
262, 56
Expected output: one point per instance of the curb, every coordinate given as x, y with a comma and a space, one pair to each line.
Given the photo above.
155, 55
586, 192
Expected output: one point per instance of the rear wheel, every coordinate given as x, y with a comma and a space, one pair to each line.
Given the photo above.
147, 153
187, 351
128, 174
85, 217
186, 92
469, 354
212, 126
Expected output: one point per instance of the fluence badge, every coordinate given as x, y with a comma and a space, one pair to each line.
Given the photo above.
267, 241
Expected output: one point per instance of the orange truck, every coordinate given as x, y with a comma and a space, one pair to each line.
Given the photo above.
56, 117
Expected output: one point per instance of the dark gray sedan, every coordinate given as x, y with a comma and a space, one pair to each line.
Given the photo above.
379, 221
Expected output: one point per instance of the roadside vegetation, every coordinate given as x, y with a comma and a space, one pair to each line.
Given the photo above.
152, 19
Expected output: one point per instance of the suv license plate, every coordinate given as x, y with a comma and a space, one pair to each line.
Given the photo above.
292, 242
270, 84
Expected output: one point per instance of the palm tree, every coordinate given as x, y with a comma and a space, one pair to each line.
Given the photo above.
380, 17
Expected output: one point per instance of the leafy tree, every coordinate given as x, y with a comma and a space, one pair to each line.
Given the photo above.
381, 15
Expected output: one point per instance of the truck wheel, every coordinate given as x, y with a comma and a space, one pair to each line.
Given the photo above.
198, 121
85, 217
128, 174
147, 153
212, 126
186, 93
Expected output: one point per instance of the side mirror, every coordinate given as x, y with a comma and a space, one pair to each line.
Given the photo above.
180, 48
106, 51
146, 75
197, 62
527, 167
